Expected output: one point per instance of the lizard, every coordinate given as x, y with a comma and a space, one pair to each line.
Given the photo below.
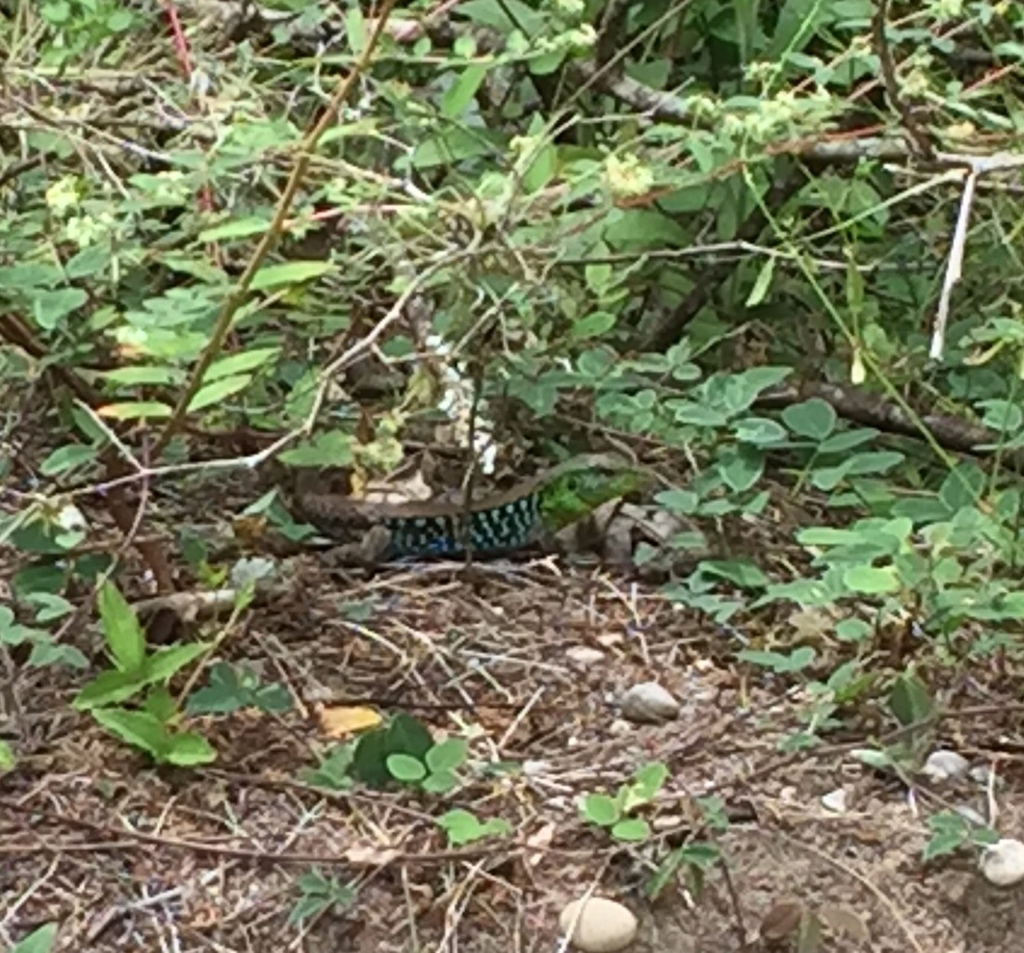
494, 525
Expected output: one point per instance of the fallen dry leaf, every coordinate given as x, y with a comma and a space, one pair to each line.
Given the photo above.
340, 722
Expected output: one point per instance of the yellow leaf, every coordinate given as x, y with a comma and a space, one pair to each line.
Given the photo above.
339, 722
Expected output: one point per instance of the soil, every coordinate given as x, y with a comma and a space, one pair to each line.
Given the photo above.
129, 856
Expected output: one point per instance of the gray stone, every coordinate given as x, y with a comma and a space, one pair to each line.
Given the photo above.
649, 703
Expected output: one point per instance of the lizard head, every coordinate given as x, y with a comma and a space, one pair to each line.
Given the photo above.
585, 483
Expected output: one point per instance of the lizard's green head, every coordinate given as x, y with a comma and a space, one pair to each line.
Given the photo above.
581, 489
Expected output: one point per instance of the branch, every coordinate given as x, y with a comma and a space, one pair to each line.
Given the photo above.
306, 149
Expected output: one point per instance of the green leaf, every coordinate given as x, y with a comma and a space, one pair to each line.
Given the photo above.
67, 458
38, 941
440, 782
240, 363
289, 273
910, 701
457, 145
871, 580
333, 448
878, 462
120, 20
406, 768
542, 169
762, 284
593, 325
188, 748
678, 501
48, 652
124, 635
761, 431
107, 689
236, 228
745, 574
145, 374
91, 260
632, 830
355, 30
308, 907
814, 418
408, 735
48, 307
448, 755
853, 630
544, 64
7, 760
229, 689
461, 93
165, 662
846, 440
962, 487
796, 660
369, 758
138, 728
879, 760
463, 827
333, 771
827, 536
160, 704
601, 809
217, 391
1001, 416
650, 778
504, 15
947, 842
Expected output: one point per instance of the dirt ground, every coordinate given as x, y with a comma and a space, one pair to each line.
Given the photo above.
129, 857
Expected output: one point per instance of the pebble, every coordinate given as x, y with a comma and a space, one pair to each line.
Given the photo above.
584, 655
604, 926
834, 801
980, 773
1003, 862
944, 765
649, 703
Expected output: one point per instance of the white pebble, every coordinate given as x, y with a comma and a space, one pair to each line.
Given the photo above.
980, 773
584, 655
604, 926
943, 765
649, 703
834, 801
1003, 862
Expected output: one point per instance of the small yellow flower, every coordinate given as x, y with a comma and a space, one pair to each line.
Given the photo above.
627, 176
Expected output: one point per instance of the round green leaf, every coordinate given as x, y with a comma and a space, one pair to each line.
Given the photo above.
632, 829
404, 767
447, 755
871, 580
600, 809
813, 418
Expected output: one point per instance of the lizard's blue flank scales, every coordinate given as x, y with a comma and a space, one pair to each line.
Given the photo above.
499, 529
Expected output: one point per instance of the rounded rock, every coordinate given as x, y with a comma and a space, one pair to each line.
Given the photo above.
944, 765
1003, 862
649, 703
584, 656
602, 926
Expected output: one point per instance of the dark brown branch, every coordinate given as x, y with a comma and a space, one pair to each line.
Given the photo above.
873, 410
